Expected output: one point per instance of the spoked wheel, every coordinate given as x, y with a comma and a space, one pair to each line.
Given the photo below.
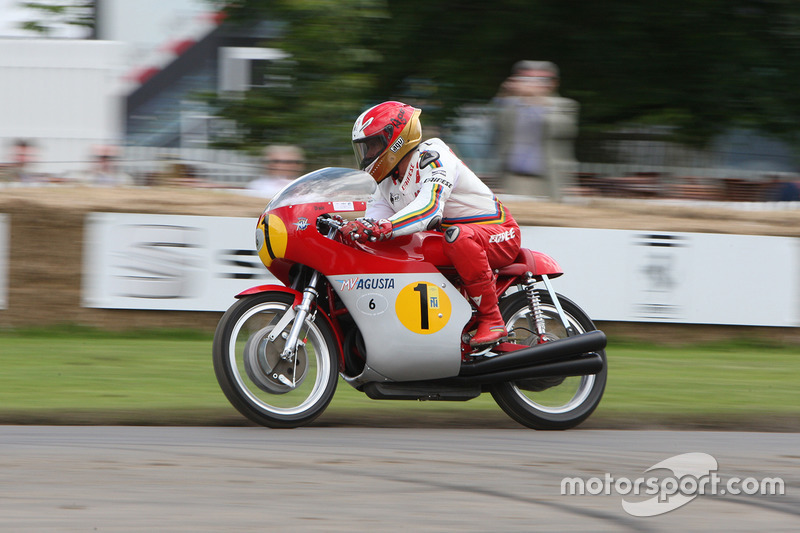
261, 384
549, 402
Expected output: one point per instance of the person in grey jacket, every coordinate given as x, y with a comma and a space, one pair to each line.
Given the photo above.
534, 132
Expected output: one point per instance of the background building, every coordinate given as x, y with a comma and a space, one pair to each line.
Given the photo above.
135, 86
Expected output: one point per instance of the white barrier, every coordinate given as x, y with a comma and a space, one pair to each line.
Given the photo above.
173, 262
694, 278
168, 262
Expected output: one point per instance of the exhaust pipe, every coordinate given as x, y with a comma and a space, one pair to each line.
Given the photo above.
585, 343
590, 363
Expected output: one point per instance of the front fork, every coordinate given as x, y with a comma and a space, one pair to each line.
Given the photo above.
535, 305
302, 311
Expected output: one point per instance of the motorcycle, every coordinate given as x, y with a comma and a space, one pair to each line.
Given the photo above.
392, 320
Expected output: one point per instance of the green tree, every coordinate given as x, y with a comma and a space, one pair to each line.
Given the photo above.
320, 88
700, 66
48, 15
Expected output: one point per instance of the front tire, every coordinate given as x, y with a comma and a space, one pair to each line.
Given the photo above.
548, 403
267, 389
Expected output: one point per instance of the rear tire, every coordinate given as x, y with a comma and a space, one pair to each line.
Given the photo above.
267, 389
548, 403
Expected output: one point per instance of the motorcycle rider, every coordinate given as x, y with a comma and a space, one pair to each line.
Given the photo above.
425, 186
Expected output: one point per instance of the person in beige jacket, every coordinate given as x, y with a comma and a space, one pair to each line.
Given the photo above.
534, 130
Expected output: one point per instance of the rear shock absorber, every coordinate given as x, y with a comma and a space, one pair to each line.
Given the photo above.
535, 305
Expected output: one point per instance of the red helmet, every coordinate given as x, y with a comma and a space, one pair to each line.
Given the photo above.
383, 134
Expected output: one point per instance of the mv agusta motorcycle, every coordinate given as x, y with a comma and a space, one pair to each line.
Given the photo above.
391, 319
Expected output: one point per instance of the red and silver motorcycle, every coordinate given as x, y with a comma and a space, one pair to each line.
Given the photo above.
391, 319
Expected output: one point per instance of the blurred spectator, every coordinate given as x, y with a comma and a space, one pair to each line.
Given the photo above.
784, 191
22, 153
282, 165
104, 170
535, 130
181, 174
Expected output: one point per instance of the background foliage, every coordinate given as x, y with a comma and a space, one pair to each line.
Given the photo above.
314, 95
701, 66
47, 16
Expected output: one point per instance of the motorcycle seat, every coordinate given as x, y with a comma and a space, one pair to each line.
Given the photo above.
524, 262
530, 261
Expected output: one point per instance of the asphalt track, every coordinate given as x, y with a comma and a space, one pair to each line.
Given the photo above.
360, 479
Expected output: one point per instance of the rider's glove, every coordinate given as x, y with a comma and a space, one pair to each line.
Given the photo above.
381, 230
367, 229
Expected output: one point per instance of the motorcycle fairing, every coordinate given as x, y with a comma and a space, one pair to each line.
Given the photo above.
411, 323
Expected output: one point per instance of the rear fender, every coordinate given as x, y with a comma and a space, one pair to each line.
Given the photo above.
543, 264
298, 298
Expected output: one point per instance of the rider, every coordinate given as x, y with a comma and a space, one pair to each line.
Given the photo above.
429, 188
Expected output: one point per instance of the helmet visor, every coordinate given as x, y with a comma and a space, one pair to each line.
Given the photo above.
368, 149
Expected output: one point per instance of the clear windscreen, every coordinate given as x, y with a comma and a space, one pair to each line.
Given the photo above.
331, 184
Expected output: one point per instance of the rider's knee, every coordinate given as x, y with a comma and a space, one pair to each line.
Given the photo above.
458, 238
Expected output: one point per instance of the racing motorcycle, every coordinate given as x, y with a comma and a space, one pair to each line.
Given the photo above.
392, 319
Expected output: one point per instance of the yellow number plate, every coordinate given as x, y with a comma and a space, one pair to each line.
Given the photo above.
423, 307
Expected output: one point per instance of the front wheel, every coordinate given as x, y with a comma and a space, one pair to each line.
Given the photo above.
548, 402
268, 389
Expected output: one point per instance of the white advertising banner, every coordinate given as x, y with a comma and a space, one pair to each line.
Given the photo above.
5, 231
194, 263
169, 262
697, 278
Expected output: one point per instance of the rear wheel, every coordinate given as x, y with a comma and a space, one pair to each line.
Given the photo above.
266, 388
550, 402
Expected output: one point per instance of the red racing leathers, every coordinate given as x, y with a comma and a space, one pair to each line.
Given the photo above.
439, 191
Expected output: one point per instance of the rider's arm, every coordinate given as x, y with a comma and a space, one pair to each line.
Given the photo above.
437, 179
378, 207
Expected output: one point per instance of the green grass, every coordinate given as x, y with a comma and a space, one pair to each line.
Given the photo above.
86, 369
734, 378
84, 375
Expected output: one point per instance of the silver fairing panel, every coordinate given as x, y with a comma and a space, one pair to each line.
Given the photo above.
411, 324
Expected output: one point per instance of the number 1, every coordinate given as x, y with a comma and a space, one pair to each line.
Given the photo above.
422, 288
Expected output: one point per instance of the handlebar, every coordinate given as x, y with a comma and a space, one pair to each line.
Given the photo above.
335, 224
